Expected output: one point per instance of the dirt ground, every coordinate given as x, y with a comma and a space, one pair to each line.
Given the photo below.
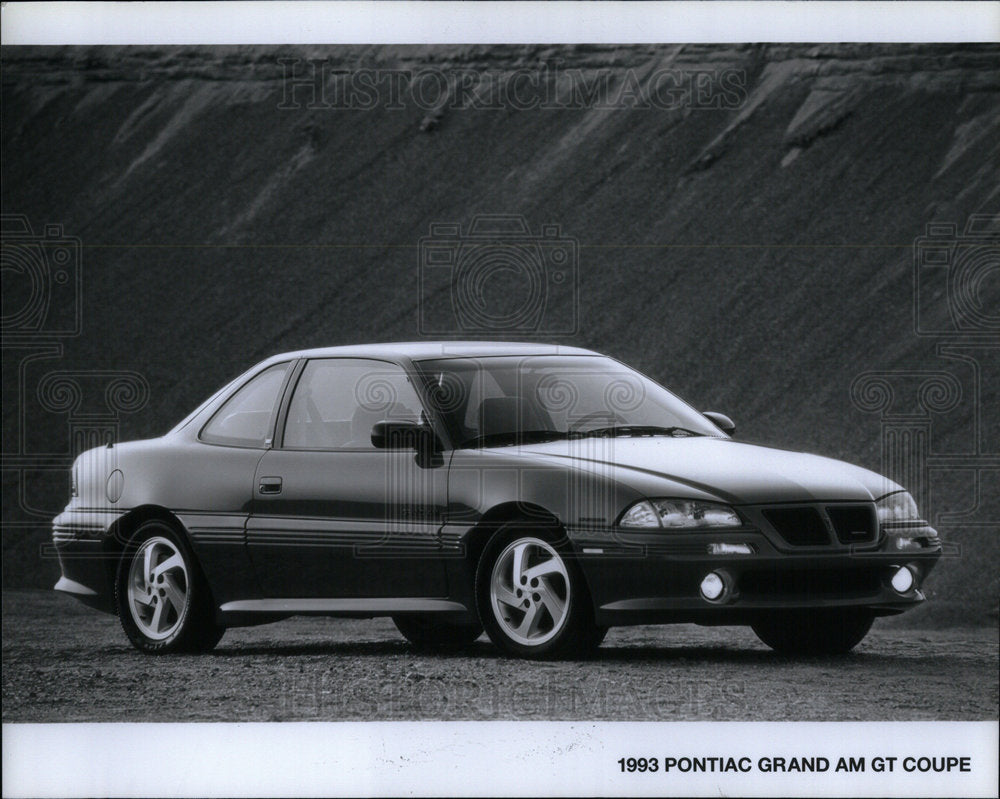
63, 662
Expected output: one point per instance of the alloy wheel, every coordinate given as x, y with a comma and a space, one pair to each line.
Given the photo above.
158, 588
530, 591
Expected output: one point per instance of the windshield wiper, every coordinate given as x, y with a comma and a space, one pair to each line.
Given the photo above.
512, 437
635, 430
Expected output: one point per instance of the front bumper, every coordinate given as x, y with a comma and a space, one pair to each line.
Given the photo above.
88, 568
655, 577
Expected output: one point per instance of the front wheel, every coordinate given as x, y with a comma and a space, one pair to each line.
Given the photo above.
814, 632
163, 601
532, 600
425, 631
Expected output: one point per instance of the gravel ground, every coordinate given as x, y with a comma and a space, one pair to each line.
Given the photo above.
63, 662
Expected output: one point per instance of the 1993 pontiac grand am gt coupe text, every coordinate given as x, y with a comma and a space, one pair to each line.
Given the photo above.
544, 493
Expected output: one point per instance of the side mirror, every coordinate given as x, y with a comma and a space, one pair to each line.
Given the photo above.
723, 422
402, 435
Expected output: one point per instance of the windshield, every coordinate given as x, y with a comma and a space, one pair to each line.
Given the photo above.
495, 401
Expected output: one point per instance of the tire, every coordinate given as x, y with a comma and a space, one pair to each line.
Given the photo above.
544, 611
430, 633
163, 601
814, 632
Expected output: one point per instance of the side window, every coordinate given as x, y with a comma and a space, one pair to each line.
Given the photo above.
244, 418
338, 400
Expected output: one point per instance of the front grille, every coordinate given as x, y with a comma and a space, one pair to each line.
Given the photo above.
854, 524
800, 527
810, 583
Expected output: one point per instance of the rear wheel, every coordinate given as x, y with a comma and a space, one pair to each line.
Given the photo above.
428, 632
163, 601
814, 632
533, 600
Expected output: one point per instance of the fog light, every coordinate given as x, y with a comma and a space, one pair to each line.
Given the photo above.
905, 542
730, 549
902, 580
712, 586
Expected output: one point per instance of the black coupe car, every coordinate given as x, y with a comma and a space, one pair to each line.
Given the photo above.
542, 493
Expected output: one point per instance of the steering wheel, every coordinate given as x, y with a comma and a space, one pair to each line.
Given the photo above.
595, 415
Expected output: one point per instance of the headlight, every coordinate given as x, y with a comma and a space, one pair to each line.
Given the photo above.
898, 508
679, 514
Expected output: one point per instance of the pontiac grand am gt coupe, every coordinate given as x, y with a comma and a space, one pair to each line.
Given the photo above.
542, 493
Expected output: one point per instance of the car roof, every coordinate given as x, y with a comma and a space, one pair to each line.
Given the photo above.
421, 350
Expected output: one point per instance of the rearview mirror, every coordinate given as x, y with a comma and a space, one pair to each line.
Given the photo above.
402, 435
723, 422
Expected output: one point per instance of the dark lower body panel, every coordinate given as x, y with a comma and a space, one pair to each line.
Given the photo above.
648, 578
654, 581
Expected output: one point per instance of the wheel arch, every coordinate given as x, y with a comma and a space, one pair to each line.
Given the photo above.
123, 528
536, 518
533, 516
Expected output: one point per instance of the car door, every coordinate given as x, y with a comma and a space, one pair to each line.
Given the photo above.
332, 516
211, 479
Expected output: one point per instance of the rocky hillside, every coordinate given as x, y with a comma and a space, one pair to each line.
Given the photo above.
745, 219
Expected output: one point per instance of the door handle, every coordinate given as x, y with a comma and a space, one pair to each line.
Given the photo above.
270, 485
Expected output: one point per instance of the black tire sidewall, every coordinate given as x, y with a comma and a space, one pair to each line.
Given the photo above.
826, 632
427, 632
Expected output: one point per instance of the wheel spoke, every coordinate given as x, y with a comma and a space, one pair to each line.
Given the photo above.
551, 566
147, 566
507, 596
518, 562
159, 619
174, 595
551, 600
529, 624
143, 598
175, 561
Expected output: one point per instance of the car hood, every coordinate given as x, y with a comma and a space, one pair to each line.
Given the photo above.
732, 471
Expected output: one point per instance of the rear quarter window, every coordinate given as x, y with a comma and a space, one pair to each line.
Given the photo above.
244, 420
